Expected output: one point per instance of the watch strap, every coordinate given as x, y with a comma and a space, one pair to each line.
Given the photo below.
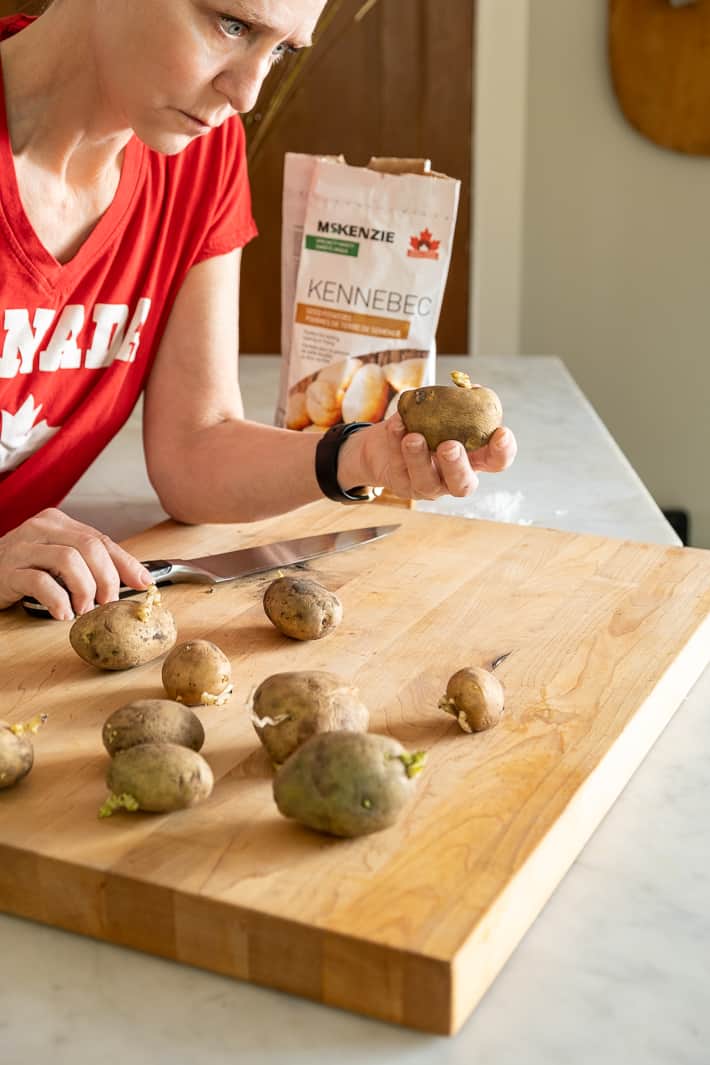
327, 451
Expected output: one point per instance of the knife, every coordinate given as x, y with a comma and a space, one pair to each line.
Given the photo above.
213, 569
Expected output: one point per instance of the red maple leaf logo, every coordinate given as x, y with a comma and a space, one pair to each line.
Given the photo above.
424, 242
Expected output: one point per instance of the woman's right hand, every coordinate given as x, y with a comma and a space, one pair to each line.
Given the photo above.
51, 547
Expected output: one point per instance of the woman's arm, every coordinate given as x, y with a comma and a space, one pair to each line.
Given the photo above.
207, 463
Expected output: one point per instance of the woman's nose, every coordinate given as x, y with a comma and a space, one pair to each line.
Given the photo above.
241, 82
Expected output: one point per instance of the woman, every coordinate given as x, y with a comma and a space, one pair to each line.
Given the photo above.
124, 204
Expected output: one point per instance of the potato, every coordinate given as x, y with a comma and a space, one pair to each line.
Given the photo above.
464, 412
301, 608
475, 697
152, 721
16, 750
158, 778
198, 673
16, 756
347, 783
125, 633
288, 708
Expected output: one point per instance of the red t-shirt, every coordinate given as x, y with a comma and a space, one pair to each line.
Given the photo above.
77, 340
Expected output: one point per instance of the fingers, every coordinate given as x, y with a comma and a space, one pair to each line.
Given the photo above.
41, 570
456, 471
424, 476
109, 566
414, 473
96, 575
23, 574
498, 454
65, 564
396, 474
130, 571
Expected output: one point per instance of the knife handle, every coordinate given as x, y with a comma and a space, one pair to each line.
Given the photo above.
159, 570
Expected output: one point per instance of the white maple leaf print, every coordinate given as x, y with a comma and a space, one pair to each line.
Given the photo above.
19, 436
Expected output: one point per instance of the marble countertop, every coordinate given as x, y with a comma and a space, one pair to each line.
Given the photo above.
614, 970
569, 473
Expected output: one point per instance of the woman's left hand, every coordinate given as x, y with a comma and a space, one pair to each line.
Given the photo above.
401, 461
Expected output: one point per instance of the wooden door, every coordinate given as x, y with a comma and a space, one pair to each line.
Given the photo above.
399, 82
27, 7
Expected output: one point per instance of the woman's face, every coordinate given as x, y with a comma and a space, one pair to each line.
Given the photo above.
173, 69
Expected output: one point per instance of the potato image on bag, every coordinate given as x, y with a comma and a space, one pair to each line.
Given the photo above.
410, 373
296, 414
366, 397
322, 403
339, 375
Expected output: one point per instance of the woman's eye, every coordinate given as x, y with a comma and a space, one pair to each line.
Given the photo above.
282, 50
233, 27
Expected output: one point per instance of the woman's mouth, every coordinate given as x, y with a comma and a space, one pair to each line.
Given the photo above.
196, 123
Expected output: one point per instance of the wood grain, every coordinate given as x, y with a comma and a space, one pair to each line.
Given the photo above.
412, 924
660, 66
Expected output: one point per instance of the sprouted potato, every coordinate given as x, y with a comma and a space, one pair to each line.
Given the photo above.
475, 697
288, 708
463, 411
198, 673
16, 750
152, 721
157, 778
347, 783
125, 633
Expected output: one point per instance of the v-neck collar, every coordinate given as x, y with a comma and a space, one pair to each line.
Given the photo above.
24, 241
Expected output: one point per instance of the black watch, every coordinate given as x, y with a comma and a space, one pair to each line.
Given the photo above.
327, 451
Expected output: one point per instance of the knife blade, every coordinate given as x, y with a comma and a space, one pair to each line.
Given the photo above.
244, 562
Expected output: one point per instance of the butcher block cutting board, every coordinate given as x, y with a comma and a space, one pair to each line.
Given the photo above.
604, 638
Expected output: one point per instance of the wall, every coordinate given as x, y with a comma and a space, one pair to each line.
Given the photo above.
499, 117
614, 258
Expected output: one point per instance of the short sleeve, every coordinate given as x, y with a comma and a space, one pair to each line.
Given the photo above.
230, 224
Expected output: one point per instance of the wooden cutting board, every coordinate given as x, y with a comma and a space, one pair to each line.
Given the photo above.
412, 924
659, 54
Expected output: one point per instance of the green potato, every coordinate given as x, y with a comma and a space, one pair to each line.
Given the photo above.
158, 778
152, 721
347, 783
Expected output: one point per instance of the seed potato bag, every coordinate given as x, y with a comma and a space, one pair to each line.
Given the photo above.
365, 258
